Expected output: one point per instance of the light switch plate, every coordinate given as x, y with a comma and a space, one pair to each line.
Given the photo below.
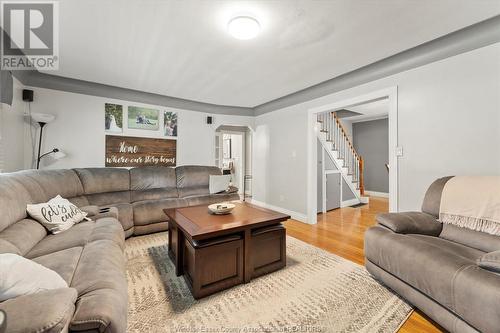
399, 151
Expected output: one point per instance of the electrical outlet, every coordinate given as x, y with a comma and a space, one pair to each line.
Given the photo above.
399, 151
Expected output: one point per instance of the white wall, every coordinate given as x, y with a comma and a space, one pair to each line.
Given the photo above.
279, 164
79, 129
347, 124
11, 132
449, 123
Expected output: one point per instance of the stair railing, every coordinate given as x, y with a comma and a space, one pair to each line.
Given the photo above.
337, 135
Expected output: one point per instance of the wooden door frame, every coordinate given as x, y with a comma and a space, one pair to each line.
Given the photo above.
391, 93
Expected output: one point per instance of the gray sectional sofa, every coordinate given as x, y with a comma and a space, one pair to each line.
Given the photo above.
439, 268
89, 256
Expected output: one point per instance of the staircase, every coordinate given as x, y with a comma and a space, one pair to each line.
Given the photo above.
335, 141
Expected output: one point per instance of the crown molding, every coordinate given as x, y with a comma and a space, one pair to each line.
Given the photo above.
43, 80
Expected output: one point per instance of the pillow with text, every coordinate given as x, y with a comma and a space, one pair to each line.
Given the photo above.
57, 215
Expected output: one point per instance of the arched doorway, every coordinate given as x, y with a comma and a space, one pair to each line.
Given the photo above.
233, 154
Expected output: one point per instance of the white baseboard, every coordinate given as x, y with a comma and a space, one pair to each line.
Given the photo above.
348, 203
377, 194
295, 215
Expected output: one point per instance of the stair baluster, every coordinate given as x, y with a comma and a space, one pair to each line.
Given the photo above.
336, 134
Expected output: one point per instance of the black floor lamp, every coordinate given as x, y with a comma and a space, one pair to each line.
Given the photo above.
43, 119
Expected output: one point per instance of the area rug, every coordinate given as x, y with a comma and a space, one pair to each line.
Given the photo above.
316, 292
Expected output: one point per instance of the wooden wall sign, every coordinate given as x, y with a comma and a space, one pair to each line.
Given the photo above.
128, 151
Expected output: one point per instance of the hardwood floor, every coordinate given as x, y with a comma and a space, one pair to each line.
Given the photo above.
341, 231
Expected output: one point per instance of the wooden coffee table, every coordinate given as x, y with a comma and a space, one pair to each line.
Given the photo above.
215, 252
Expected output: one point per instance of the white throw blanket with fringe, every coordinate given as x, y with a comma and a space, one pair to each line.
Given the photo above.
472, 202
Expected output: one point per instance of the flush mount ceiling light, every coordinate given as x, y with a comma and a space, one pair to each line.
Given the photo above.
243, 27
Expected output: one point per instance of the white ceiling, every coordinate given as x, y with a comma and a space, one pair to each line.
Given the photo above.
181, 48
371, 110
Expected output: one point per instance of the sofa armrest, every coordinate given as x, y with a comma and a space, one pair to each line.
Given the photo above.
106, 212
490, 261
410, 223
96, 212
90, 210
47, 311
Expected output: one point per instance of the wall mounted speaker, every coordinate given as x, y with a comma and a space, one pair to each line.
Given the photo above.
209, 120
27, 95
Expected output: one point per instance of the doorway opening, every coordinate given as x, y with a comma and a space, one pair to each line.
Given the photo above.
357, 120
367, 129
233, 154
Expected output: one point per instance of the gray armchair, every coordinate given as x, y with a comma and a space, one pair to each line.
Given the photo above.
449, 273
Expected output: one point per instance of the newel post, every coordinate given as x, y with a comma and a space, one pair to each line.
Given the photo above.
361, 178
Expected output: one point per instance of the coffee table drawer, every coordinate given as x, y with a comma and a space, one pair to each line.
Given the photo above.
213, 266
268, 249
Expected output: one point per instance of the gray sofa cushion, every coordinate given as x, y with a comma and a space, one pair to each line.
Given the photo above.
146, 178
150, 228
102, 180
151, 211
446, 318
46, 184
102, 289
477, 298
432, 198
194, 179
24, 235
476, 239
108, 228
76, 236
8, 247
63, 262
108, 199
79, 201
79, 235
154, 194
152, 183
427, 263
91, 210
44, 312
125, 215
490, 261
13, 200
410, 223
89, 256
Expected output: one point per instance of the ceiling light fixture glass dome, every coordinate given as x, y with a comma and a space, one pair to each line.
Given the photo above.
243, 27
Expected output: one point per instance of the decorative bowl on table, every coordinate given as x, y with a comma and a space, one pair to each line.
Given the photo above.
222, 208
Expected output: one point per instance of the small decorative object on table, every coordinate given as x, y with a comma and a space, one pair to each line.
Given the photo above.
221, 208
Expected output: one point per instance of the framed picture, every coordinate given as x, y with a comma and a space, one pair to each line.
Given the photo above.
170, 123
143, 118
113, 118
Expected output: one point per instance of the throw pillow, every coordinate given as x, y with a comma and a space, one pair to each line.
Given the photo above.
20, 276
217, 184
57, 215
